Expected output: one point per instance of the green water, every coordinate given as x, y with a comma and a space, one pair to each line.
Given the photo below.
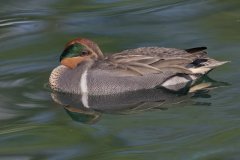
32, 36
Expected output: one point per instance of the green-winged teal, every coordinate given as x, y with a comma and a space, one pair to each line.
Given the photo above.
85, 70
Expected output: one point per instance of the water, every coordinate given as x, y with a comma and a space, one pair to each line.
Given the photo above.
33, 34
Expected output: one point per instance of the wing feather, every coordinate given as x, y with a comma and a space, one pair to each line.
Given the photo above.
169, 62
152, 60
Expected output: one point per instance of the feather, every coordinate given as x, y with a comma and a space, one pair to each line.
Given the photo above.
128, 59
176, 69
145, 66
154, 60
196, 49
169, 62
149, 61
143, 69
140, 71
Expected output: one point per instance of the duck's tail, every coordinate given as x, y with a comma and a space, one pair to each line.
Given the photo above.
206, 66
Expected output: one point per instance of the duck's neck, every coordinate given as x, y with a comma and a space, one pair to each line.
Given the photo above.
68, 80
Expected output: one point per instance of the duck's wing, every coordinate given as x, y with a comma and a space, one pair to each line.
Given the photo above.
153, 60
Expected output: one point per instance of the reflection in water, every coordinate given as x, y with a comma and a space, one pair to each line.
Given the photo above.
89, 108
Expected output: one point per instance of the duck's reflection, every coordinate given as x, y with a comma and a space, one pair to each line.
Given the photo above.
89, 108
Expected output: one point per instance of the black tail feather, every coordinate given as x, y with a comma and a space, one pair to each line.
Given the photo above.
197, 49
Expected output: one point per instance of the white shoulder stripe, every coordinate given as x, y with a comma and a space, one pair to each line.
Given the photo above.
85, 100
84, 89
83, 83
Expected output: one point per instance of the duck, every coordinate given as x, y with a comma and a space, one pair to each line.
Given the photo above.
84, 69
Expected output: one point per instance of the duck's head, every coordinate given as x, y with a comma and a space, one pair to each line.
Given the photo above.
78, 51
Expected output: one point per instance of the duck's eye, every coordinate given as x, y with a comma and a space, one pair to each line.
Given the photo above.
85, 53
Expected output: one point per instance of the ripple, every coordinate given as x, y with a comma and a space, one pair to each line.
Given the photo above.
223, 153
20, 26
6, 113
14, 83
13, 21
40, 95
25, 65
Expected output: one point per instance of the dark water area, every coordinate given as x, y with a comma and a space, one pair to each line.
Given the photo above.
33, 126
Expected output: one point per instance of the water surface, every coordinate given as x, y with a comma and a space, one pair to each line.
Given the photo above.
32, 36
